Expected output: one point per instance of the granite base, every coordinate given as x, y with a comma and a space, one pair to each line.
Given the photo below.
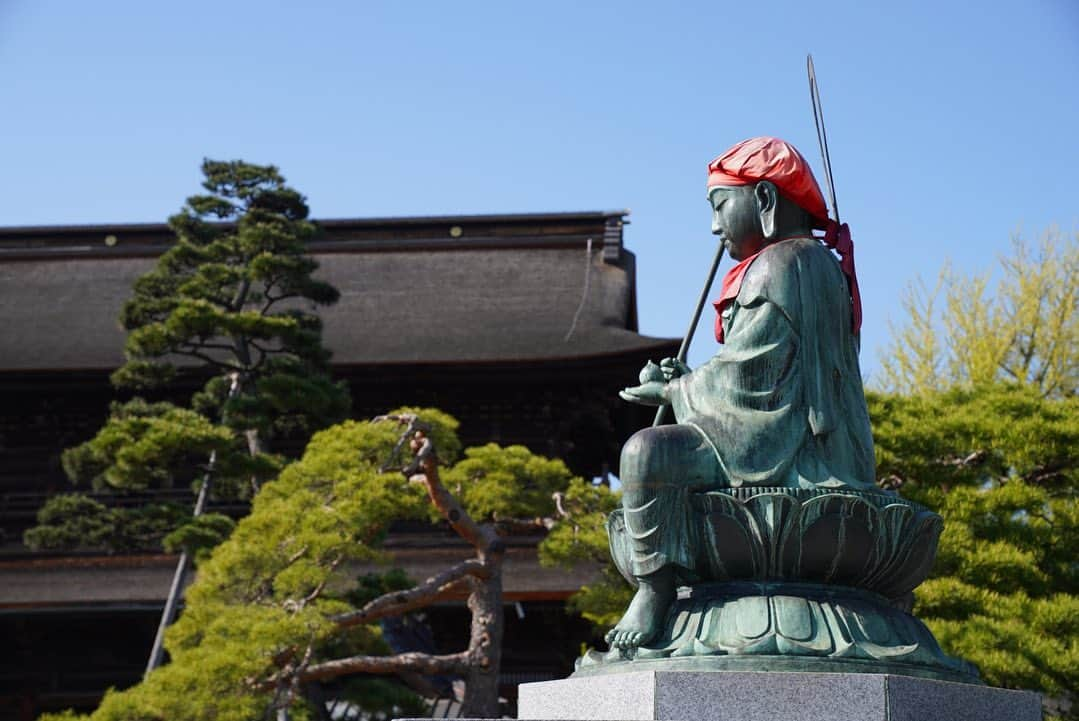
772, 696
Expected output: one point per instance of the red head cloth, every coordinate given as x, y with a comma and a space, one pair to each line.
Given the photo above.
777, 161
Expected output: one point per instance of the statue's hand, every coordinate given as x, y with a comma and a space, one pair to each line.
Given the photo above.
673, 368
651, 393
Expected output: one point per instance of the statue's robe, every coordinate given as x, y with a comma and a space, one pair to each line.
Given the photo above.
782, 403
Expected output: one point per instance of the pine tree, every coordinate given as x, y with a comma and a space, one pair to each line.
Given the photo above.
229, 306
228, 300
229, 297
581, 537
271, 611
1000, 463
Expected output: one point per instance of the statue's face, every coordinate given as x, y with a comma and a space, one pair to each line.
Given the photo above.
736, 219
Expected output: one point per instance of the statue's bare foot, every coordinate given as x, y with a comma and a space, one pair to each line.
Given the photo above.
647, 611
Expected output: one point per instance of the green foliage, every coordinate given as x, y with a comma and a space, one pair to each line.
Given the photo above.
1011, 431
67, 715
493, 482
199, 535
272, 585
1025, 331
269, 592
999, 463
144, 445
382, 700
71, 519
231, 304
372, 585
211, 680
230, 296
581, 537
76, 521
228, 300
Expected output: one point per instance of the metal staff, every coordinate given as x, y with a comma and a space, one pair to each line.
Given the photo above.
183, 566
822, 134
683, 350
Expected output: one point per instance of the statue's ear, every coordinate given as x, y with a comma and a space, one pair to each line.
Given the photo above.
767, 200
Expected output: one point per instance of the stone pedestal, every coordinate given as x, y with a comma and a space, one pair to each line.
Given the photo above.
770, 696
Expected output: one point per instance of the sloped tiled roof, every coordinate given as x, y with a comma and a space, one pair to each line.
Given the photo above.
413, 290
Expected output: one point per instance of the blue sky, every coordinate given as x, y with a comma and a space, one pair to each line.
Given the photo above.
952, 124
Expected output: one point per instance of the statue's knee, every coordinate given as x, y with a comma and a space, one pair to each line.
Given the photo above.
633, 465
674, 455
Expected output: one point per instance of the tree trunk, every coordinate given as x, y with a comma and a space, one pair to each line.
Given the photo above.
481, 664
484, 670
256, 443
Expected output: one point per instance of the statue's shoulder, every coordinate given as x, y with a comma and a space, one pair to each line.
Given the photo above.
788, 253
775, 274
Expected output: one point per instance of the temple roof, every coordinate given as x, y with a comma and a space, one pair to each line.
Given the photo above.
454, 289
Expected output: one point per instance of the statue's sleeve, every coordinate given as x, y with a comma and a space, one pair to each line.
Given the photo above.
803, 281
746, 398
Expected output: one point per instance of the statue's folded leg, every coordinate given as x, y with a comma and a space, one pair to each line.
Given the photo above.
660, 467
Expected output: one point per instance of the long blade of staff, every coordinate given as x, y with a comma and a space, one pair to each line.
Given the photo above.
683, 350
822, 134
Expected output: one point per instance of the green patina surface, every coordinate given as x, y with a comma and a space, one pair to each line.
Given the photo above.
784, 626
761, 499
795, 580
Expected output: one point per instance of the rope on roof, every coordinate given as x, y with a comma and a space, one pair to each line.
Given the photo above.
584, 290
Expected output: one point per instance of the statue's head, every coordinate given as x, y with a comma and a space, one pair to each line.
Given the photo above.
762, 191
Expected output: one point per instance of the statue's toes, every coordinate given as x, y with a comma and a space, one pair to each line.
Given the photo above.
635, 639
611, 635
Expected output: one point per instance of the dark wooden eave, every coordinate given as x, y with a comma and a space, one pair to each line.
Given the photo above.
40, 584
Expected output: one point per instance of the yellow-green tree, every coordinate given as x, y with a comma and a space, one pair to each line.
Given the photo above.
982, 425
1019, 327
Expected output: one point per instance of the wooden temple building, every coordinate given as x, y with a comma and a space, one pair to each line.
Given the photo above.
522, 326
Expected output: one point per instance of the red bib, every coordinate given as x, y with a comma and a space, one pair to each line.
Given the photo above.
732, 283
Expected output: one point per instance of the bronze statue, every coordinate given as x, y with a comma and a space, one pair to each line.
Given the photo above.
760, 501
780, 406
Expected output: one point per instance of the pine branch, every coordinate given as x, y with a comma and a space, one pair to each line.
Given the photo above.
209, 346
481, 661
523, 526
424, 469
270, 300
240, 300
415, 662
194, 353
1045, 473
482, 538
396, 603
972, 459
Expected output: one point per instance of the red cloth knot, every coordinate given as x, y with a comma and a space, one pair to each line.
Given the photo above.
837, 237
